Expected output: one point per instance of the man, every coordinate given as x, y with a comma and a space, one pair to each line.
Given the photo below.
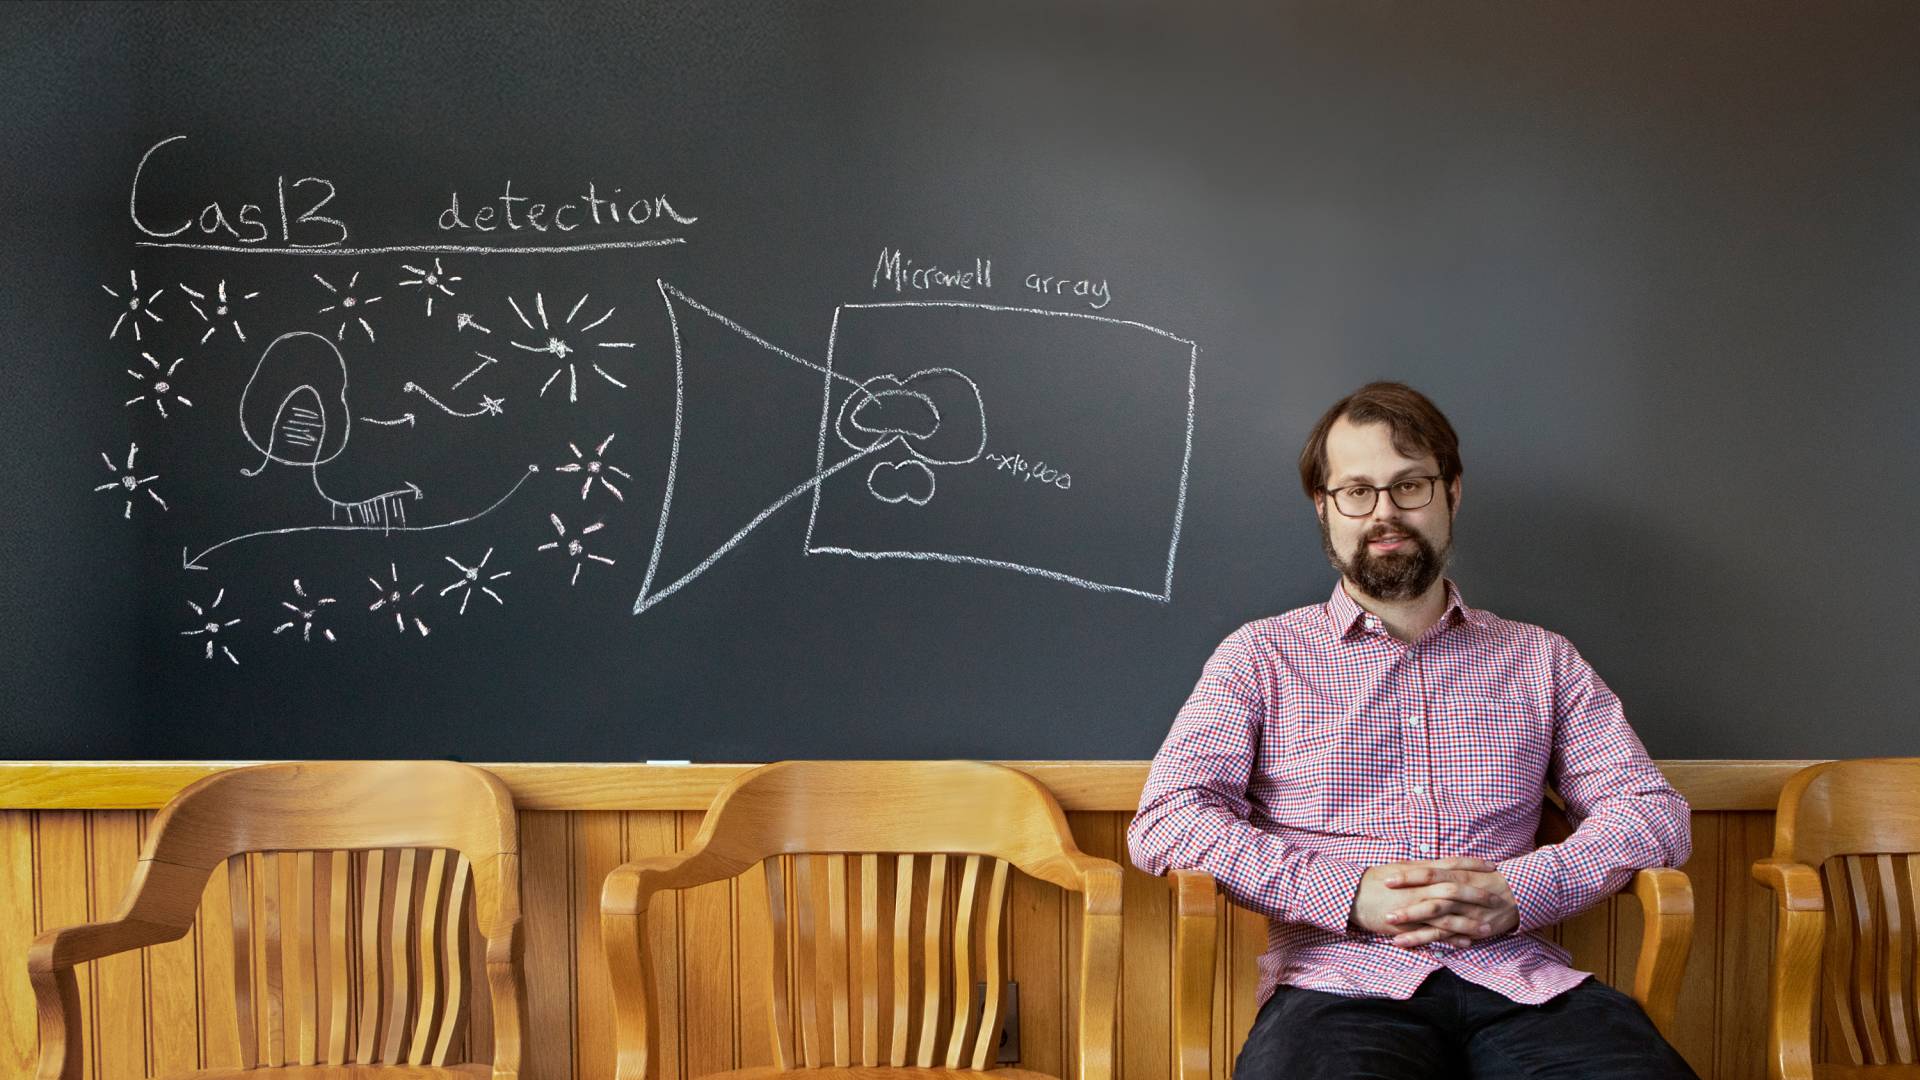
1369, 772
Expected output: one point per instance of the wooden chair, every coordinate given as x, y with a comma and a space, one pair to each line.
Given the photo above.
1666, 905
1845, 873
350, 956
896, 877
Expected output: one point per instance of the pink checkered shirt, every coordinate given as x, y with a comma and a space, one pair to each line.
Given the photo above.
1316, 745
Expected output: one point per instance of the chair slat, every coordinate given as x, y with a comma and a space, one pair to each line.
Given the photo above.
902, 959
1894, 963
240, 901
427, 972
321, 882
1839, 959
302, 982
963, 962
1865, 996
274, 988
1912, 879
806, 978
372, 890
989, 1036
869, 959
777, 920
834, 961
454, 929
339, 875
398, 983
930, 953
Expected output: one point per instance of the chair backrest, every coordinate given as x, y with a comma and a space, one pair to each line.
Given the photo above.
1858, 823
887, 885
361, 895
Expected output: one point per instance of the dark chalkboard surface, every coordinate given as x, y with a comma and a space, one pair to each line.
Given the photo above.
742, 381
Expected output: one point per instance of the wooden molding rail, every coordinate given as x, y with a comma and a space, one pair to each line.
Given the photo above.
1107, 786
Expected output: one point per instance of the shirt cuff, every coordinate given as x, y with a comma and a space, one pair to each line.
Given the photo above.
1533, 880
1323, 893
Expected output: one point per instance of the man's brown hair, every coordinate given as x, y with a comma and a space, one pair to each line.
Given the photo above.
1418, 427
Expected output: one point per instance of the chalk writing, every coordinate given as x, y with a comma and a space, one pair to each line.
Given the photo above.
1025, 470
900, 272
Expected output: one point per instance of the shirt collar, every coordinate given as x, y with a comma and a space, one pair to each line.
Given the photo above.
1346, 617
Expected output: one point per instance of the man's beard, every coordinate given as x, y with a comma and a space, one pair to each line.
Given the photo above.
1395, 575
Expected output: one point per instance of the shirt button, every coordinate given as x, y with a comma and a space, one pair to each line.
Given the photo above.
1417, 789
1415, 719
1424, 849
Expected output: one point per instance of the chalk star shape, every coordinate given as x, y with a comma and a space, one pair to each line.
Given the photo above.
162, 384
136, 307
130, 481
304, 617
212, 626
574, 547
595, 469
393, 598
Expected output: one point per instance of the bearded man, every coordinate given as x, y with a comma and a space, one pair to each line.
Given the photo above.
1369, 773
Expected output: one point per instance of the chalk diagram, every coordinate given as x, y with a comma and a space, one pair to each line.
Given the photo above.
431, 281
557, 344
135, 308
596, 469
903, 402
397, 599
161, 387
217, 311
305, 617
345, 302
128, 481
574, 547
470, 580
294, 412
211, 626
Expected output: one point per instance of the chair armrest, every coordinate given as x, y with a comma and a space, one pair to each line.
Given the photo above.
1195, 956
1666, 936
56, 992
1100, 942
1796, 886
631, 885
59, 950
1800, 932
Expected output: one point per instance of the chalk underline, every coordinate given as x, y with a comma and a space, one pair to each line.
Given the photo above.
429, 249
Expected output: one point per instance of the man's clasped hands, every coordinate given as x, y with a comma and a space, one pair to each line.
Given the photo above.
1457, 901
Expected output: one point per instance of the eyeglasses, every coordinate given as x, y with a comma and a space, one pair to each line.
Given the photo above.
1407, 493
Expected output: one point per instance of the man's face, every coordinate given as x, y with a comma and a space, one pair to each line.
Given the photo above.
1390, 554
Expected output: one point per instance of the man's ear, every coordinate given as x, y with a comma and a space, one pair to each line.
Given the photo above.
1320, 507
1453, 500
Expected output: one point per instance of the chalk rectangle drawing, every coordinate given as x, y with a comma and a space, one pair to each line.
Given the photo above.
1044, 442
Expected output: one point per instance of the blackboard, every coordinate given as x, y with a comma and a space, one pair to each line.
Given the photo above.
738, 381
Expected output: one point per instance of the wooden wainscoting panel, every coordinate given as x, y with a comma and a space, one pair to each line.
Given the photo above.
19, 1033
546, 922
597, 845
1696, 1006
172, 996
61, 863
710, 991
657, 832
1039, 967
1745, 949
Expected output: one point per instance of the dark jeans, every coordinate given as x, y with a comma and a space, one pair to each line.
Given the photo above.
1453, 1028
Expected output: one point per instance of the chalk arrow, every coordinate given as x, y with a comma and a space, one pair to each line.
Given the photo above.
405, 418
488, 406
192, 562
